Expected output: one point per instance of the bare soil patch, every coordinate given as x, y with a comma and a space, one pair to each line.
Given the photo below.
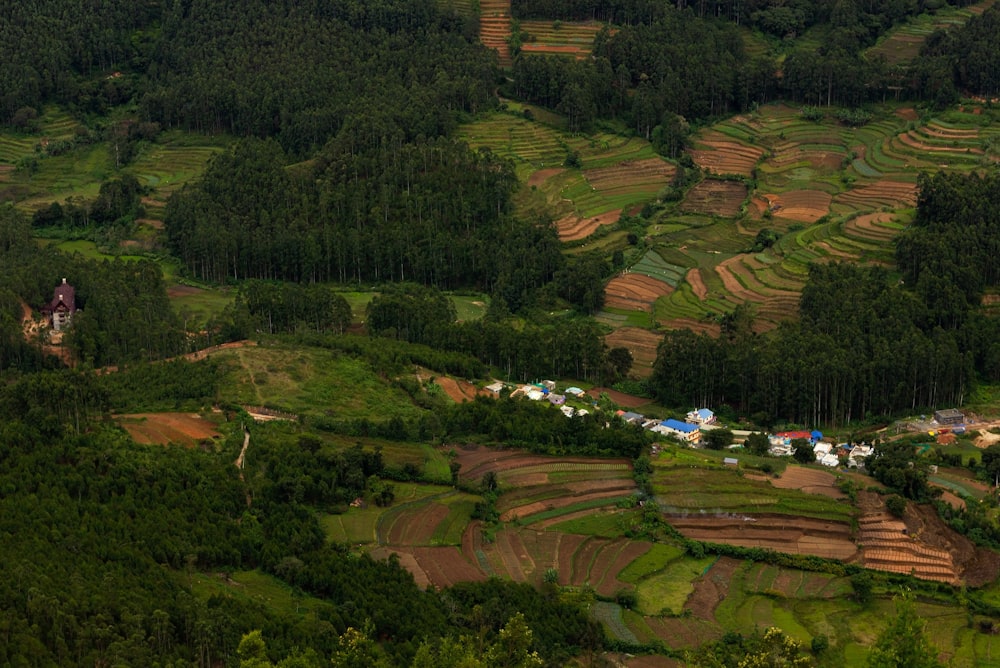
175, 291
574, 228
881, 193
634, 292
783, 533
445, 566
620, 398
711, 588
721, 155
811, 481
543, 175
459, 390
712, 197
697, 285
907, 114
806, 206
187, 429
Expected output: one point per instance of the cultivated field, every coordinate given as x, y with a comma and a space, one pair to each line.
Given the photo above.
187, 429
560, 38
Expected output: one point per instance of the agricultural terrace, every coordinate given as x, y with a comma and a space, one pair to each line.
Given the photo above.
560, 38
831, 191
494, 28
617, 174
902, 44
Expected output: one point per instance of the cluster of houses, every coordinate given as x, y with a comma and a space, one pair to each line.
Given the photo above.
827, 454
545, 391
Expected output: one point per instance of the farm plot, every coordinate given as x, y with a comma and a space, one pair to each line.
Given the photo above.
810, 481
715, 198
574, 227
642, 343
185, 429
782, 533
494, 28
574, 38
634, 292
653, 265
645, 177
803, 206
721, 155
883, 193
879, 227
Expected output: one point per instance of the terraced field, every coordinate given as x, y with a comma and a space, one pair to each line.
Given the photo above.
902, 43
562, 38
494, 28
833, 192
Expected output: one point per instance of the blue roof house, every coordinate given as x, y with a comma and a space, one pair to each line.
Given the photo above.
683, 430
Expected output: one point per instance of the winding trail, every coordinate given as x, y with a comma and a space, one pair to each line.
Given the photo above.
241, 460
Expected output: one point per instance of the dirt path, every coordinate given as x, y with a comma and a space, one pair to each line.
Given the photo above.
241, 460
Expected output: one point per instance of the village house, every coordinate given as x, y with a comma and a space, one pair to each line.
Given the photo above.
683, 430
62, 307
701, 416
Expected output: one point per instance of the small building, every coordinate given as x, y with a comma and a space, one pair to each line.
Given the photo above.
567, 410
535, 394
731, 461
62, 307
495, 388
575, 392
632, 418
949, 416
821, 449
549, 385
830, 460
682, 430
701, 416
557, 399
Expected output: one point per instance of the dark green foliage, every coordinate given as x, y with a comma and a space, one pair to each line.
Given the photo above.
896, 505
802, 451
757, 443
896, 465
284, 307
717, 439
765, 239
409, 313
540, 427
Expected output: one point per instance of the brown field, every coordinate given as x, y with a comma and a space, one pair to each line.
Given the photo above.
476, 461
809, 480
784, 533
574, 228
718, 198
494, 27
743, 286
611, 560
804, 206
631, 175
543, 175
620, 398
459, 390
416, 525
697, 285
920, 544
880, 193
634, 292
642, 343
712, 588
722, 155
523, 513
185, 429
792, 153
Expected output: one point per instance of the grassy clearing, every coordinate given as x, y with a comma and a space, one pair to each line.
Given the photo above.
667, 590
257, 588
652, 562
311, 381
357, 525
604, 525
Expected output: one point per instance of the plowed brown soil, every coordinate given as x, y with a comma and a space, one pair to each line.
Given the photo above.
783, 533
697, 285
642, 343
574, 228
712, 197
634, 292
161, 428
811, 481
543, 175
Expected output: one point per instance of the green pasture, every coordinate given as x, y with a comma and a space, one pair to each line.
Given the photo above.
602, 524
651, 563
682, 488
253, 587
311, 381
197, 308
666, 590
902, 43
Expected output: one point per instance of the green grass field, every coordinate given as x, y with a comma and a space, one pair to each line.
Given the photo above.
256, 588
